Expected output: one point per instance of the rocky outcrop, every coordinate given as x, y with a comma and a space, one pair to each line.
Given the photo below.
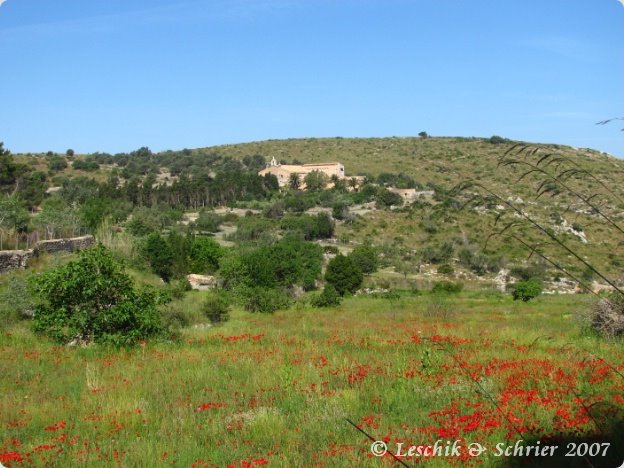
202, 282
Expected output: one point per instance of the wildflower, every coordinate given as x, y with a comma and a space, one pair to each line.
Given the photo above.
56, 427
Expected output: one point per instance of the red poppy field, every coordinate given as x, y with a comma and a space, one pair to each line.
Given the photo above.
477, 371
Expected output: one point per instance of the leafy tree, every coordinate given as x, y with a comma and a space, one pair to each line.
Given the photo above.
79, 190
294, 181
32, 188
94, 211
385, 198
365, 256
159, 256
13, 215
56, 218
527, 290
69, 153
344, 274
180, 247
315, 181
232, 270
324, 226
365, 194
10, 172
423, 135
205, 255
93, 299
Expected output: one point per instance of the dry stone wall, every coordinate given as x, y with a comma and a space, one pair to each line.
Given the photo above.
64, 245
13, 259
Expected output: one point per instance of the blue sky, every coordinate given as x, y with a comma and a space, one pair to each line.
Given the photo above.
114, 75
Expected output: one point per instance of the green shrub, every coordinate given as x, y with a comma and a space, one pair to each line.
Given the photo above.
216, 309
320, 226
527, 290
205, 254
264, 300
446, 269
344, 274
329, 297
385, 198
158, 254
85, 165
525, 273
447, 287
93, 299
208, 221
16, 302
365, 256
340, 210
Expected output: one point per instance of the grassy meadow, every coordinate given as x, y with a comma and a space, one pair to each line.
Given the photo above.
277, 389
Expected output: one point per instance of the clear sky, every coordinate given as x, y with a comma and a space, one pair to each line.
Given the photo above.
114, 75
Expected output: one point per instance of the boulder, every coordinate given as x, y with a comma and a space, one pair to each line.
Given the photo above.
202, 282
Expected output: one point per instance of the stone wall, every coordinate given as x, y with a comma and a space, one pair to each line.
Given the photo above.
64, 245
12, 259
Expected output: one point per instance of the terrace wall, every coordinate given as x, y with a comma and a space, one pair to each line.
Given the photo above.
14, 259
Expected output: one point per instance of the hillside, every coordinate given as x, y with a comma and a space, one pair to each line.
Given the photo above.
411, 236
446, 162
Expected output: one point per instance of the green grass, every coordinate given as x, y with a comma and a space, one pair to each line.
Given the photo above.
280, 387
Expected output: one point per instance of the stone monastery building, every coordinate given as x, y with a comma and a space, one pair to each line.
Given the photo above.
283, 171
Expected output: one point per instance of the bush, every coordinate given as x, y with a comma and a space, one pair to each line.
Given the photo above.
447, 287
16, 302
264, 300
328, 298
85, 165
607, 316
534, 270
93, 299
205, 254
385, 198
365, 256
527, 290
344, 274
497, 140
208, 221
158, 254
57, 164
216, 309
340, 210
446, 269
320, 226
